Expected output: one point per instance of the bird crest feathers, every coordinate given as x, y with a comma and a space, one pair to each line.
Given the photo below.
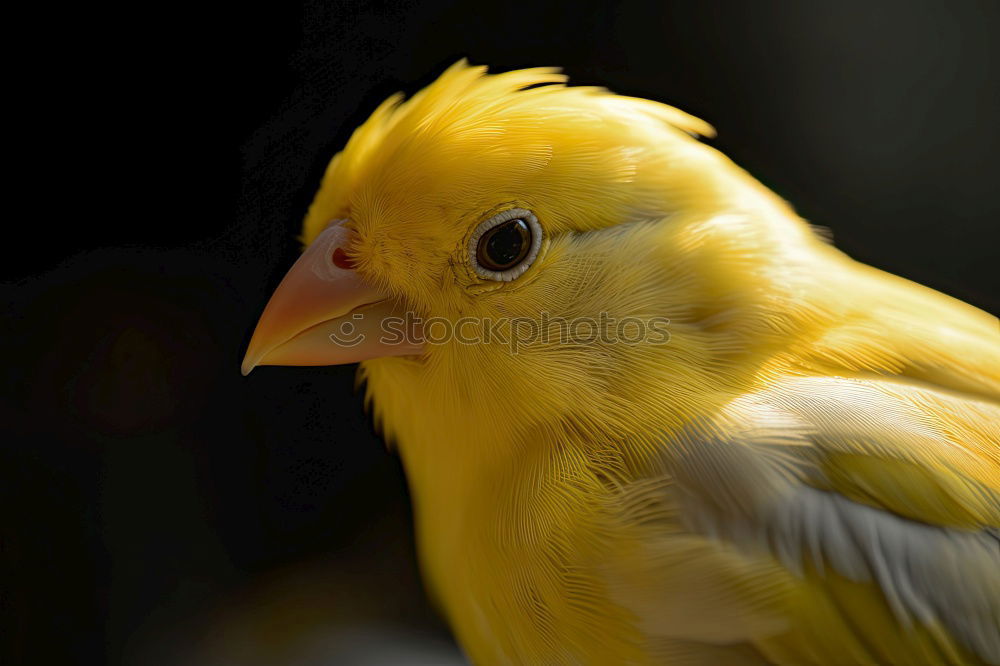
467, 103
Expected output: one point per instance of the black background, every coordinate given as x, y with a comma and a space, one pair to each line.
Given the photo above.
171, 152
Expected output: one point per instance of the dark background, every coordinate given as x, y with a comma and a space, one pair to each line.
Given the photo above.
159, 505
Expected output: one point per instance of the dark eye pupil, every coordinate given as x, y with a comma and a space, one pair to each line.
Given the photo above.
505, 245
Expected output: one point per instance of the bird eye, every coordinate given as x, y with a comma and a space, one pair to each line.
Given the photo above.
503, 247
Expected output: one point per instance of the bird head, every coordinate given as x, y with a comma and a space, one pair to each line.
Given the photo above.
488, 237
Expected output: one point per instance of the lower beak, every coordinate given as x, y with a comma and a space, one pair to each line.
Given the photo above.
324, 313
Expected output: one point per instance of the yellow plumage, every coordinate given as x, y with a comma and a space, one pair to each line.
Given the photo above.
807, 472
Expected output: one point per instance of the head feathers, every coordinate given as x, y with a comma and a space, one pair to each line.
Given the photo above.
468, 116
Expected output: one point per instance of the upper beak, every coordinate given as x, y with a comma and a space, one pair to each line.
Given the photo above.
324, 313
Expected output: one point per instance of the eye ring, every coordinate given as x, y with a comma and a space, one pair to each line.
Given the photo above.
484, 232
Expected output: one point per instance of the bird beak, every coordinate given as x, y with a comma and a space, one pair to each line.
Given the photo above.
324, 313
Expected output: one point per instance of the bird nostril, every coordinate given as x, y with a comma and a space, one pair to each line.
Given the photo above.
341, 260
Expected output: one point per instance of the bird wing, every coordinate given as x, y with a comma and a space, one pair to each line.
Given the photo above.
829, 520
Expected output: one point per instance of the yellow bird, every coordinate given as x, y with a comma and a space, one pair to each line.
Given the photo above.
647, 414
